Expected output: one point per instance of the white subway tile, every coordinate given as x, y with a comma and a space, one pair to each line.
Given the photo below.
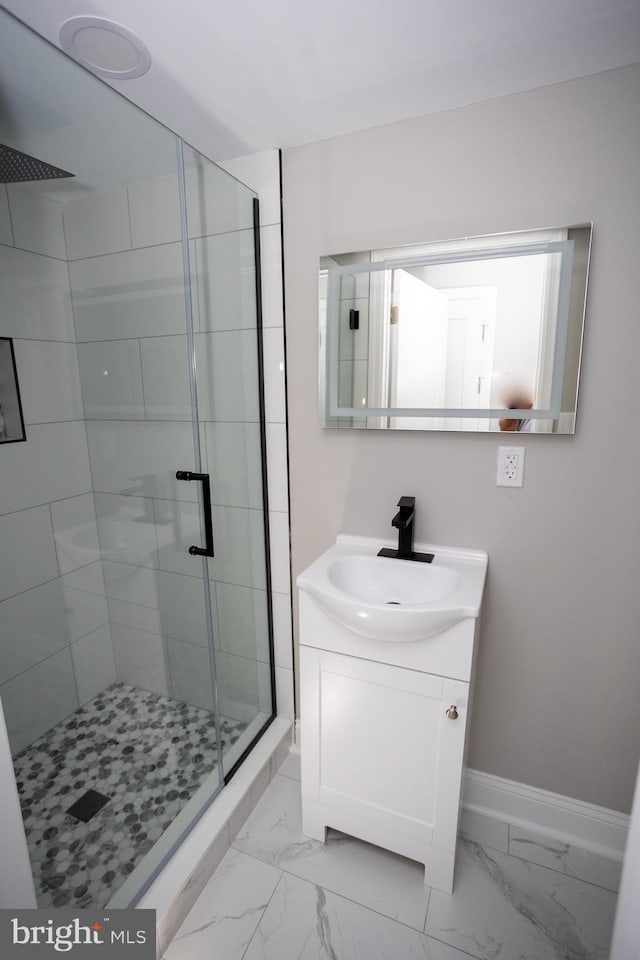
141, 458
126, 529
284, 693
33, 626
28, 555
177, 527
216, 203
181, 605
154, 208
140, 659
238, 686
37, 223
271, 264
35, 302
238, 534
265, 693
49, 381
273, 352
93, 663
52, 465
233, 451
279, 538
139, 293
278, 483
130, 583
190, 672
85, 611
87, 578
227, 364
134, 615
165, 374
226, 281
111, 378
97, 224
242, 621
75, 532
38, 699
282, 630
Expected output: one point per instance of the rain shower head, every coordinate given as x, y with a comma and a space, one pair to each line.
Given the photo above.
17, 167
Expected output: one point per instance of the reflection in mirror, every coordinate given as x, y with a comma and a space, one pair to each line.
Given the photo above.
480, 334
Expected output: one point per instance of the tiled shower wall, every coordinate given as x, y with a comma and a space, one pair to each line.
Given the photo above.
129, 320
56, 646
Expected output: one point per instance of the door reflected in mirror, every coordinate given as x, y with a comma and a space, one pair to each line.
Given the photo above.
480, 334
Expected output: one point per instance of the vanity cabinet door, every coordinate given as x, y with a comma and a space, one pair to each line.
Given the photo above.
381, 759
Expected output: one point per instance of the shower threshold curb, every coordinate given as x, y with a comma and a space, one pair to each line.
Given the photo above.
178, 886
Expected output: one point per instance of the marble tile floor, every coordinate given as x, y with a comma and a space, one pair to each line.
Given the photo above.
147, 753
278, 895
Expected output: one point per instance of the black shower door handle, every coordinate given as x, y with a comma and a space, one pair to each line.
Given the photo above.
206, 551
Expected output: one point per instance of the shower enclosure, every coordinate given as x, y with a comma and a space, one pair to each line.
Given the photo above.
136, 666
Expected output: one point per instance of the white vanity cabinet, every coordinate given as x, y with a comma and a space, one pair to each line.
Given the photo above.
381, 759
383, 731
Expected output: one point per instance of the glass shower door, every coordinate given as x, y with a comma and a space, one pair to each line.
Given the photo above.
222, 228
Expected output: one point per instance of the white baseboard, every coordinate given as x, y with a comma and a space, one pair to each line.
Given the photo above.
581, 824
509, 803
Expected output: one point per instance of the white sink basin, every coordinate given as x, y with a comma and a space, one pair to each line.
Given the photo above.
396, 600
381, 580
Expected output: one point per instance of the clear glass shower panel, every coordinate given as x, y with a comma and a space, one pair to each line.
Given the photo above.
222, 244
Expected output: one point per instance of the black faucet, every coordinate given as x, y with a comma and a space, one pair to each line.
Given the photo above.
403, 521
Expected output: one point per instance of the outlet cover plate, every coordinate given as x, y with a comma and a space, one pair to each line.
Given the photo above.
510, 467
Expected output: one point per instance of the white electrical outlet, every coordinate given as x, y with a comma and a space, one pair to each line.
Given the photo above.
510, 471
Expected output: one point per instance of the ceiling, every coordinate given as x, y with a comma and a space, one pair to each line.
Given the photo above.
238, 77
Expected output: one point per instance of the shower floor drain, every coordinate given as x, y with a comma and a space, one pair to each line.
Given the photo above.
88, 805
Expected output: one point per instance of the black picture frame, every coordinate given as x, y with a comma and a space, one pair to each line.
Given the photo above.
11, 418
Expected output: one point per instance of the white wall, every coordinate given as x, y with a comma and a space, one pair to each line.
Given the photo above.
556, 696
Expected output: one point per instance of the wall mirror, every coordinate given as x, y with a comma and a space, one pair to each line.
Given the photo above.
478, 334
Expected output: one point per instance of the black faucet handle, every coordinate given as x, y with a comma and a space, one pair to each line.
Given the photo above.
403, 521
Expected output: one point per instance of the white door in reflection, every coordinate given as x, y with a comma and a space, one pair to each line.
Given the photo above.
418, 346
470, 349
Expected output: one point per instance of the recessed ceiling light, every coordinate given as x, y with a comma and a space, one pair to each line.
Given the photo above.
105, 47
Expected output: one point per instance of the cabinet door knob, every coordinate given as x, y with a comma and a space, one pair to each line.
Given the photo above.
452, 712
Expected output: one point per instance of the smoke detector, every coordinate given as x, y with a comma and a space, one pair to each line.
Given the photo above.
105, 47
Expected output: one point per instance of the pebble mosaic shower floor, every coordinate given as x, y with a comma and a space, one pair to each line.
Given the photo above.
146, 753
